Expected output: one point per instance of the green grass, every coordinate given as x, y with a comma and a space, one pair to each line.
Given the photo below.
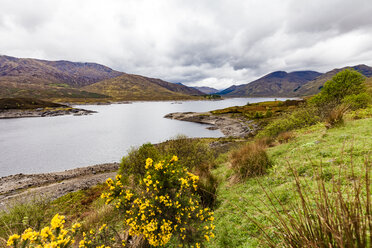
312, 146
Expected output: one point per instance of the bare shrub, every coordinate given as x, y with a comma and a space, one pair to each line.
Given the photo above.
249, 161
265, 141
336, 116
285, 137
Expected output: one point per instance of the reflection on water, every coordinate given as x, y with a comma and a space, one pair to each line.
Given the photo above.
35, 145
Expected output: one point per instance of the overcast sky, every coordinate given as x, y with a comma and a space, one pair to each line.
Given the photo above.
211, 43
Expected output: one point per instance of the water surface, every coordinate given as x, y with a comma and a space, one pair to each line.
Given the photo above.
37, 145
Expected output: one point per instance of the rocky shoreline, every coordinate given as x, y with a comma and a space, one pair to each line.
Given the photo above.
227, 125
17, 113
23, 187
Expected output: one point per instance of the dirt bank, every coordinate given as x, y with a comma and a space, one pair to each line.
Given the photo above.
23, 187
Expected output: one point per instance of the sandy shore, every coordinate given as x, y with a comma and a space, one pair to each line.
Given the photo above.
22, 187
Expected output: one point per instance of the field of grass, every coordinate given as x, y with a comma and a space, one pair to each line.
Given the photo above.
311, 148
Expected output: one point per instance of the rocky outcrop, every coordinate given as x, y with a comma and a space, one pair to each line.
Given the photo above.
16, 113
228, 126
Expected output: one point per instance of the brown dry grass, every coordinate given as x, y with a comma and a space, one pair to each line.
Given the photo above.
249, 161
336, 115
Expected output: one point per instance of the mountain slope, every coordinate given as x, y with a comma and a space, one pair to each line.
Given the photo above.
136, 87
179, 88
74, 74
24, 77
279, 83
313, 87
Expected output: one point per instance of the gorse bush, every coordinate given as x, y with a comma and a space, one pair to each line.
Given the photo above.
197, 157
51, 236
249, 161
132, 164
194, 155
164, 206
56, 235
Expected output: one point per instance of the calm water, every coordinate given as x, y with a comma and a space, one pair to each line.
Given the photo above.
35, 145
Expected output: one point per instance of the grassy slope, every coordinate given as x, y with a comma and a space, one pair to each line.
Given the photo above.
26, 103
311, 146
48, 92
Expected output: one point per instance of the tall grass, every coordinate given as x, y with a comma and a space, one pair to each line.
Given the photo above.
19, 216
335, 216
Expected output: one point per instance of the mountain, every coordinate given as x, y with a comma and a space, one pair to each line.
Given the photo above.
65, 80
136, 87
279, 83
74, 74
24, 77
313, 87
177, 87
206, 90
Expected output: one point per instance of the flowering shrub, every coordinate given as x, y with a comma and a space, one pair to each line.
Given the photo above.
165, 205
56, 236
99, 238
50, 236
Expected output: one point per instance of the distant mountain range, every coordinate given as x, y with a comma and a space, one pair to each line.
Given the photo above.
207, 90
293, 84
278, 83
44, 79
70, 81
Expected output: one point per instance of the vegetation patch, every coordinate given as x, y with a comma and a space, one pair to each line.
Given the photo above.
27, 103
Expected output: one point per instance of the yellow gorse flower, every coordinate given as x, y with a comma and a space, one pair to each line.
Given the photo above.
13, 239
57, 221
52, 236
158, 213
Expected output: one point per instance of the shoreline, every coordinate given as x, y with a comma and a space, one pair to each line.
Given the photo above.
41, 112
25, 187
230, 127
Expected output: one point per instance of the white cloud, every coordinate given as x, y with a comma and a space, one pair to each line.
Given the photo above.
216, 43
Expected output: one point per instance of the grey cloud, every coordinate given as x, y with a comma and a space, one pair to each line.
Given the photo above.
211, 42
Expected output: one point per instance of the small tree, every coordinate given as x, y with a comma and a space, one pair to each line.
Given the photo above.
344, 83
